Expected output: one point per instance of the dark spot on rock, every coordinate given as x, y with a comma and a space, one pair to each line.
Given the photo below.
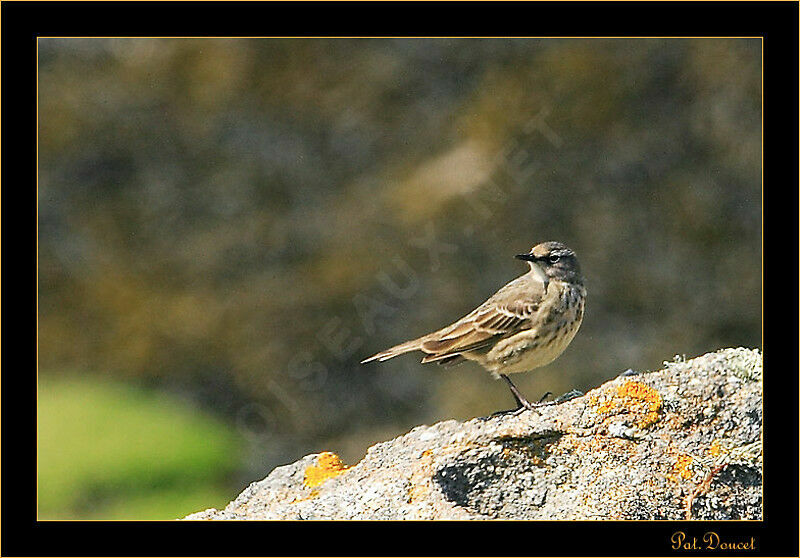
498, 485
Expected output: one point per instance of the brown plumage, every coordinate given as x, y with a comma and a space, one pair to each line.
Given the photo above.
526, 324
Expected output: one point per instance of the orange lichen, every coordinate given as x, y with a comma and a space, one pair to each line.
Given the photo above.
606, 406
643, 400
419, 487
417, 492
682, 469
313, 494
635, 397
716, 449
328, 466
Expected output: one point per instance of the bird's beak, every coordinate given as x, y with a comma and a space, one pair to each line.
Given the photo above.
535, 268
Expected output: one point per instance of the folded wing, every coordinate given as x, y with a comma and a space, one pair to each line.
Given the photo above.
477, 331
507, 312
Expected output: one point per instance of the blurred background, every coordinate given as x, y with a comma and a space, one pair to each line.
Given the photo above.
227, 227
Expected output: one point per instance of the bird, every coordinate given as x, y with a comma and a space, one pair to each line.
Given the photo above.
525, 325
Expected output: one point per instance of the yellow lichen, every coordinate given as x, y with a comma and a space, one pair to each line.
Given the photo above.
328, 466
716, 449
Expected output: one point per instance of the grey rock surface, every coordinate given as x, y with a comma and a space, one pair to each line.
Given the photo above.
683, 442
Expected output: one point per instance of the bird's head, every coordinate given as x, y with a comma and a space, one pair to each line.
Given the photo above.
554, 261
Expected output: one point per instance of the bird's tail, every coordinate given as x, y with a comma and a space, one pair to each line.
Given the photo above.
407, 347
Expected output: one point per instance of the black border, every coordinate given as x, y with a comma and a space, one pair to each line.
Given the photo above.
22, 22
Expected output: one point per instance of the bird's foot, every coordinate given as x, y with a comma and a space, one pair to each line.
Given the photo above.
525, 405
628, 372
522, 403
515, 412
572, 394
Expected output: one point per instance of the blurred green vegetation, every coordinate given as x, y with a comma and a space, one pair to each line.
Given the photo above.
238, 222
111, 451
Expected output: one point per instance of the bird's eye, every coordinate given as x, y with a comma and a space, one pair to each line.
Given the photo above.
554, 258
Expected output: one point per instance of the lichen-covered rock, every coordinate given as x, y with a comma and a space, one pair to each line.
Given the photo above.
682, 442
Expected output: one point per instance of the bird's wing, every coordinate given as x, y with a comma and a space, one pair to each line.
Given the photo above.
506, 312
480, 329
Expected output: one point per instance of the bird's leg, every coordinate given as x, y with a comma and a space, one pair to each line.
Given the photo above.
521, 401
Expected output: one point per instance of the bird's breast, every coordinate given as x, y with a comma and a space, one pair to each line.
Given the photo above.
552, 330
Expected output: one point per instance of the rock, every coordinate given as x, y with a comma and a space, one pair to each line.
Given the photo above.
683, 442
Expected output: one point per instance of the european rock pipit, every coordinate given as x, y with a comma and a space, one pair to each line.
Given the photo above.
526, 324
